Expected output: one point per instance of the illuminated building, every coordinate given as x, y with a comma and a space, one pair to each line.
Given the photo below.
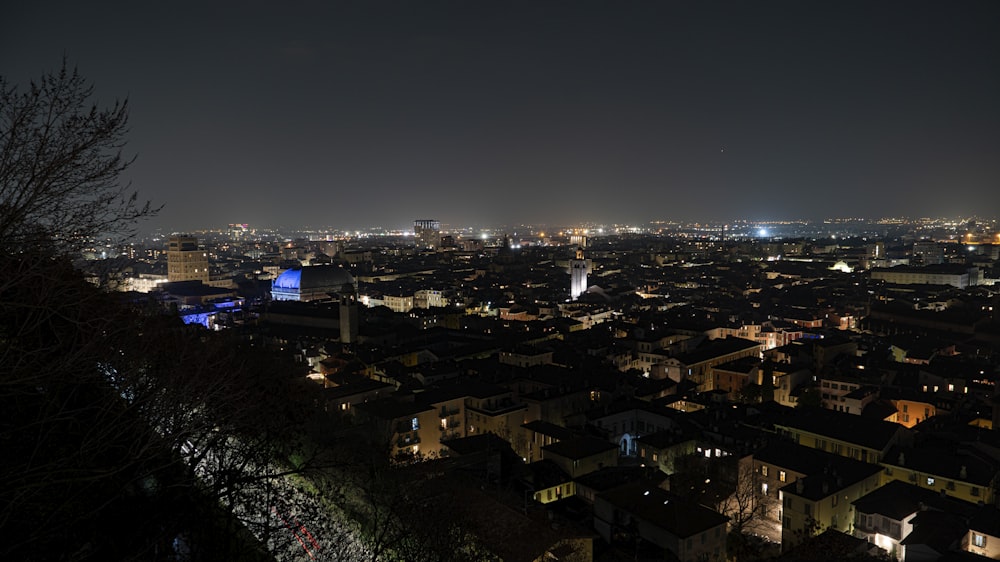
185, 261
427, 233
238, 231
319, 282
578, 275
956, 275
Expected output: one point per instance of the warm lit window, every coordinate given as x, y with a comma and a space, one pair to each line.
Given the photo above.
655, 457
763, 470
781, 476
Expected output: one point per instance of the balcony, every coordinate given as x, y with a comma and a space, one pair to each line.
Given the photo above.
408, 440
447, 412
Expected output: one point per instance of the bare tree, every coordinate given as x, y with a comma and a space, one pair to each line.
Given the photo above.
60, 165
744, 505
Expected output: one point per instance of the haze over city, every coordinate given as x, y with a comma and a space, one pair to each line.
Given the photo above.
523, 281
351, 115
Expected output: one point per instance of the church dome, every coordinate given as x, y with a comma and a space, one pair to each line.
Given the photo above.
311, 283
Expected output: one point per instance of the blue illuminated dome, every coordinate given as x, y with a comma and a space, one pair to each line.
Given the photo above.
312, 283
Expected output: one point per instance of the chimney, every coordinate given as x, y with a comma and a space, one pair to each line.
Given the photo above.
902, 460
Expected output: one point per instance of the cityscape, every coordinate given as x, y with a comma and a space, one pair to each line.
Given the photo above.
521, 281
814, 373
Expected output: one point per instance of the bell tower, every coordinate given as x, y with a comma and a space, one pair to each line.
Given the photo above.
577, 275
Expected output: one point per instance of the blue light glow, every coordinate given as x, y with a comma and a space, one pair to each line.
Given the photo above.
290, 279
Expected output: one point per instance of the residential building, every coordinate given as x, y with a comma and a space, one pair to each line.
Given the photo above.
581, 455
427, 233
185, 260
642, 512
852, 436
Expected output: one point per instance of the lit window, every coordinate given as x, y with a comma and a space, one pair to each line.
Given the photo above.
979, 540
781, 476
415, 424
763, 470
930, 480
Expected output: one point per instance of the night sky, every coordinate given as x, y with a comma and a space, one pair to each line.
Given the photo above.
350, 114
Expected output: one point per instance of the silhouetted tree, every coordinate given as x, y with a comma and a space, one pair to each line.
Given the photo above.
60, 165
123, 432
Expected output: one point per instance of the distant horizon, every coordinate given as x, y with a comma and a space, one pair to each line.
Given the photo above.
525, 112
500, 228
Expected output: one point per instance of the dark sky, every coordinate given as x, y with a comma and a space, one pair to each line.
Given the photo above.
348, 114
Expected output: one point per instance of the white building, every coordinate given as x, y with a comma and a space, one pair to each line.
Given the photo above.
578, 275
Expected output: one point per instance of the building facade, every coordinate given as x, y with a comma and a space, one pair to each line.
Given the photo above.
185, 260
578, 275
427, 233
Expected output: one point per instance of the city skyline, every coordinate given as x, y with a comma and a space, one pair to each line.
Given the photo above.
353, 115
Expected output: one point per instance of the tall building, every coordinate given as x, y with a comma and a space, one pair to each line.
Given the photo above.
427, 233
577, 275
348, 316
185, 261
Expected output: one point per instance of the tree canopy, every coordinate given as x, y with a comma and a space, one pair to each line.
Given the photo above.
61, 161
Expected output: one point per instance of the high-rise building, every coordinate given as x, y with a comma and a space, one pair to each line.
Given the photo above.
577, 275
185, 260
427, 233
